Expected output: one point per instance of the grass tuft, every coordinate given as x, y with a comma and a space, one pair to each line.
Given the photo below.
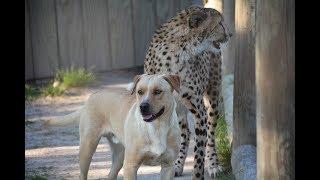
223, 144
30, 93
226, 176
75, 77
52, 91
64, 79
223, 149
35, 177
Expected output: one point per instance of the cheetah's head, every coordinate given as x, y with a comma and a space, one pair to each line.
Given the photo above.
208, 23
196, 25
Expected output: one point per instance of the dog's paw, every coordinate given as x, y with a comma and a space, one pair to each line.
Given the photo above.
214, 171
178, 169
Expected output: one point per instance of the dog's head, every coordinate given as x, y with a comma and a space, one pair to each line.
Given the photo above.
154, 94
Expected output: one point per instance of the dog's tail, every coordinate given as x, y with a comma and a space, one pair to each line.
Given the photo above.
64, 120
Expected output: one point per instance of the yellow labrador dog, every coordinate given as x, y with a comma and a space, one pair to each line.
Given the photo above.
140, 123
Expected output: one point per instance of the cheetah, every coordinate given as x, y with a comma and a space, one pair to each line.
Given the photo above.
189, 45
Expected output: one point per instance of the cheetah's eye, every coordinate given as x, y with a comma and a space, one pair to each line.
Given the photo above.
157, 92
140, 92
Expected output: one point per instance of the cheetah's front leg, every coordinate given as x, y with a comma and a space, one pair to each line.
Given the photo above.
194, 102
212, 94
212, 161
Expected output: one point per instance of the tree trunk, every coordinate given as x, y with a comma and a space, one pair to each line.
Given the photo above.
244, 135
228, 53
275, 55
228, 58
244, 75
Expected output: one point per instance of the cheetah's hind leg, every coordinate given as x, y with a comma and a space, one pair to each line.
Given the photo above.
185, 137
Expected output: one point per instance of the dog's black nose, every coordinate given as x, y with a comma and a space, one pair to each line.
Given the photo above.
144, 107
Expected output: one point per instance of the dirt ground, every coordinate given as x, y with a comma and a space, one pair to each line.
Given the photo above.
53, 152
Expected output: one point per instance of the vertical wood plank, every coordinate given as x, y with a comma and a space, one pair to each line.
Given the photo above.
244, 102
165, 10
275, 69
70, 32
174, 8
244, 105
121, 33
228, 53
96, 34
199, 2
144, 27
185, 4
44, 37
28, 64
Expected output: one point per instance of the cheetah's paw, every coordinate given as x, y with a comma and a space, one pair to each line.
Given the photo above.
178, 169
214, 171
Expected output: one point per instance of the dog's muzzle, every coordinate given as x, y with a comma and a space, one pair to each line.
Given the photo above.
151, 117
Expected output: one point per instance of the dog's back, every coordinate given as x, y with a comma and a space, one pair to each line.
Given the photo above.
99, 106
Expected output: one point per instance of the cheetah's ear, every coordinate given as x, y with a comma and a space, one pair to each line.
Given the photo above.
196, 19
136, 79
174, 81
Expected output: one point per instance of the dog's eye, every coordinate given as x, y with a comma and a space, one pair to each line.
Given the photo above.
157, 91
140, 92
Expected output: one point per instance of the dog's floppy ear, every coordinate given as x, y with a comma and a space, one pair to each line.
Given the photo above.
135, 82
174, 81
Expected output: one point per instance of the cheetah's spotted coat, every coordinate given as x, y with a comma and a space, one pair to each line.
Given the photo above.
189, 45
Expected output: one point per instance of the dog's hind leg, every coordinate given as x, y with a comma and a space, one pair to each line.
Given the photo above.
117, 157
89, 140
185, 138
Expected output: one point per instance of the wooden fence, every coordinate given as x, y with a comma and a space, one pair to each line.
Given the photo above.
104, 34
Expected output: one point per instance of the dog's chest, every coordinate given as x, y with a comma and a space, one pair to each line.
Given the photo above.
154, 159
156, 150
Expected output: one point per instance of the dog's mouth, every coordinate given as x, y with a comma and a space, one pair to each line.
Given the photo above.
152, 117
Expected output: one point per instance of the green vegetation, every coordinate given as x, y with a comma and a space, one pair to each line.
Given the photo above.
64, 79
223, 149
226, 176
35, 177
223, 144
31, 93
50, 90
75, 77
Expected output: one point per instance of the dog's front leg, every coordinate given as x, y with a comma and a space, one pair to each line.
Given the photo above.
166, 172
131, 165
130, 172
